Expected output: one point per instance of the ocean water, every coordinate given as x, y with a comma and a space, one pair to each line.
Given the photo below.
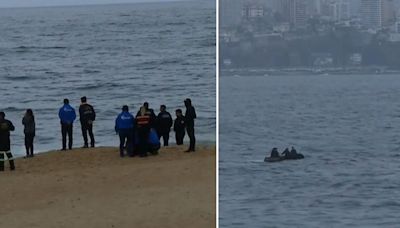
346, 126
113, 54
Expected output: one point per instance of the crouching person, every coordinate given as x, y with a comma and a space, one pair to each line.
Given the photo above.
154, 142
5, 127
124, 125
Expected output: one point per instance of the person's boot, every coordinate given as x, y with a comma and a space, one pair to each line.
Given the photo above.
85, 145
92, 144
1, 161
12, 165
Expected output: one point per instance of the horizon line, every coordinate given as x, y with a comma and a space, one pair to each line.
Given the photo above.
94, 4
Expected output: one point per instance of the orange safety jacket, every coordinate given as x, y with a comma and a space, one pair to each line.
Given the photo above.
143, 120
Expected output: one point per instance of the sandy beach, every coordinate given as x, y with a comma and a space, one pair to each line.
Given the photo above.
97, 188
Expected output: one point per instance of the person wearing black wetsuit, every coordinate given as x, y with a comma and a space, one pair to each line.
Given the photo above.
179, 127
164, 124
190, 115
87, 116
5, 145
29, 130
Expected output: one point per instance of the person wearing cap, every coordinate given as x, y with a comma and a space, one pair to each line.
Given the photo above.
124, 126
190, 115
67, 117
87, 116
5, 145
164, 124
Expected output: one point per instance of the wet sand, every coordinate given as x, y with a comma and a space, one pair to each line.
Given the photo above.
97, 188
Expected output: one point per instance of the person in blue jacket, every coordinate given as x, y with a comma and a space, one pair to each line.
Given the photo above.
67, 117
124, 127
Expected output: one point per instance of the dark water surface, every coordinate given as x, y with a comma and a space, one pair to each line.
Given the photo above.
114, 55
346, 126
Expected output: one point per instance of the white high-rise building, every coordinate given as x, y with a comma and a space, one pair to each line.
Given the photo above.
388, 12
294, 11
376, 14
335, 10
371, 14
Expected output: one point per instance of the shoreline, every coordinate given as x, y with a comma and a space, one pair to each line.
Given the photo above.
38, 152
309, 71
94, 187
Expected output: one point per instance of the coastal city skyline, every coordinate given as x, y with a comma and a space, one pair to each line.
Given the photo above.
310, 33
373, 14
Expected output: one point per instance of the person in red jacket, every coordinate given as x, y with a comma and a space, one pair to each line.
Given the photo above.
143, 126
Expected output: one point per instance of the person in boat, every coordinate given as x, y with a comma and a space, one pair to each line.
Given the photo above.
274, 156
274, 153
294, 154
286, 153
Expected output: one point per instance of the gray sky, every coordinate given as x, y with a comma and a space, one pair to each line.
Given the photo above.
34, 3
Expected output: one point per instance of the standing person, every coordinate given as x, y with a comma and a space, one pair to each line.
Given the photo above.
87, 115
124, 125
164, 124
190, 115
143, 121
149, 112
67, 117
29, 130
5, 127
179, 127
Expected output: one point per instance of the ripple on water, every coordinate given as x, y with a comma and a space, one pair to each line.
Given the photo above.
349, 175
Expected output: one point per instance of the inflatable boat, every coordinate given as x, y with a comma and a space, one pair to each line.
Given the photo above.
282, 158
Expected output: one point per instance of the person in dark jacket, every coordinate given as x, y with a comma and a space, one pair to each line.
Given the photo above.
286, 153
179, 127
29, 130
124, 126
164, 124
190, 115
67, 117
5, 145
87, 116
143, 123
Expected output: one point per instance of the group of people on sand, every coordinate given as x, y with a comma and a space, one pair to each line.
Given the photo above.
138, 135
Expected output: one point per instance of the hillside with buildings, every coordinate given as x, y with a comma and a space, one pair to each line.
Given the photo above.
317, 34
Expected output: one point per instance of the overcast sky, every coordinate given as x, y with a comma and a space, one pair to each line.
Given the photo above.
32, 3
